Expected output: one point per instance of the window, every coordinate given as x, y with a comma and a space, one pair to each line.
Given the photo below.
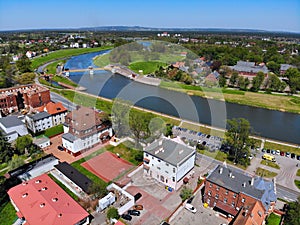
232, 204
209, 193
147, 155
173, 179
158, 167
210, 185
217, 196
174, 170
167, 164
217, 188
234, 195
243, 199
166, 171
226, 192
259, 213
225, 200
158, 160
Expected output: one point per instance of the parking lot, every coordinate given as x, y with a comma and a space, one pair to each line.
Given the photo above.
202, 216
213, 143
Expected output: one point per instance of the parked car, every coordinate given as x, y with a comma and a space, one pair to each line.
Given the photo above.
263, 150
268, 151
127, 217
287, 154
190, 207
137, 196
190, 200
298, 157
134, 212
293, 155
277, 152
273, 152
60, 148
281, 153
199, 133
250, 156
138, 207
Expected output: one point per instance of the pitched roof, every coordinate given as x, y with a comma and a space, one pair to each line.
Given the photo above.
11, 121
53, 108
41, 201
39, 116
170, 150
285, 67
69, 137
243, 66
74, 175
238, 182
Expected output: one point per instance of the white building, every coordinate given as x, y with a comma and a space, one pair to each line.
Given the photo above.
169, 161
39, 121
84, 128
42, 142
12, 127
57, 111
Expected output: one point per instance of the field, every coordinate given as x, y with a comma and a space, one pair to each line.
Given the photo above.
146, 67
64, 53
273, 219
262, 100
64, 80
284, 148
51, 68
270, 164
265, 173
7, 214
54, 130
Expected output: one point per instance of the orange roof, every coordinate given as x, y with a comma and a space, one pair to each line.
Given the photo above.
119, 223
52, 108
41, 201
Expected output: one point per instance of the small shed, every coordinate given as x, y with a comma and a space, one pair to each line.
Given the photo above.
42, 142
106, 201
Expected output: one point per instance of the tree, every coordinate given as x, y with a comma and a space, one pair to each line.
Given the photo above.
24, 64
233, 78
257, 81
6, 151
292, 216
138, 123
97, 190
112, 213
273, 67
15, 162
222, 81
216, 65
120, 117
23, 143
26, 78
186, 193
293, 75
237, 138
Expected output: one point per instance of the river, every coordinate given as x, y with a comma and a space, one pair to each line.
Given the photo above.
271, 124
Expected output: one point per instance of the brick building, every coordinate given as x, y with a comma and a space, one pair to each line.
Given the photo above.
22, 97
232, 192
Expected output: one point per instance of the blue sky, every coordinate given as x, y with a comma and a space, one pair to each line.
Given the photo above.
274, 15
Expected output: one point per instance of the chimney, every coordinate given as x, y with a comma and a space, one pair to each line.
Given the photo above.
221, 170
252, 181
230, 174
244, 184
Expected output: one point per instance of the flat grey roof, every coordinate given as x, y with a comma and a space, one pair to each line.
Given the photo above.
11, 121
39, 116
233, 180
170, 151
40, 140
69, 137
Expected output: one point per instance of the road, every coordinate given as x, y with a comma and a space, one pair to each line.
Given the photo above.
66, 103
206, 164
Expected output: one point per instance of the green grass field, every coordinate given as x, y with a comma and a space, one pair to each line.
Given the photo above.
270, 164
54, 131
64, 80
298, 173
146, 67
284, 148
51, 68
297, 183
273, 219
7, 214
265, 173
64, 53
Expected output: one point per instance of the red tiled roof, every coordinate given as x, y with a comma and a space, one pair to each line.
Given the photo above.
119, 223
227, 208
42, 201
53, 108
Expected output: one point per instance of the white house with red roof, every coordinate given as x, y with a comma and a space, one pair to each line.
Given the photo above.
41, 201
57, 111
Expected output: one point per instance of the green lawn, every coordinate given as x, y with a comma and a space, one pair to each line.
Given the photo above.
54, 130
273, 219
64, 53
67, 190
7, 214
126, 152
146, 67
44, 82
284, 148
270, 164
298, 173
265, 173
51, 68
297, 183
64, 80
84, 171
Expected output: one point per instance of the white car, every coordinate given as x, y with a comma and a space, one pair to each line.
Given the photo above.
190, 207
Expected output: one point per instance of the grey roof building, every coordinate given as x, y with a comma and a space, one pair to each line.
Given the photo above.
239, 182
39, 116
285, 67
249, 67
12, 127
170, 151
